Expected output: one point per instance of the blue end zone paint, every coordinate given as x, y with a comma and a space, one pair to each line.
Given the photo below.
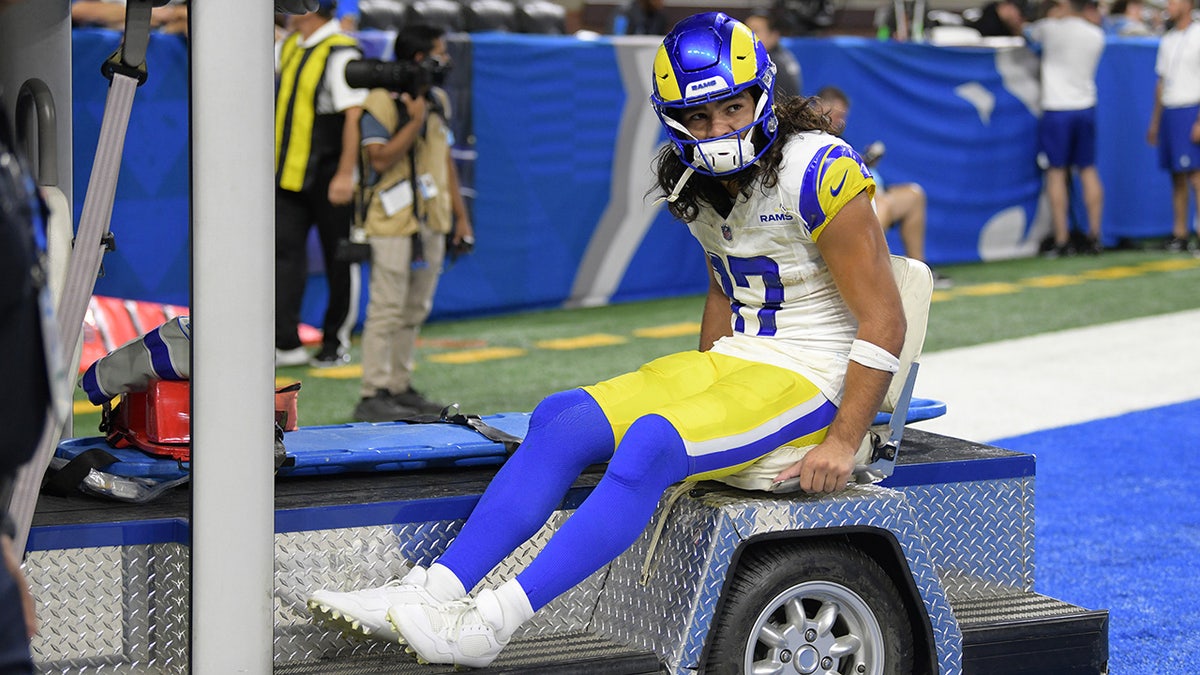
1118, 528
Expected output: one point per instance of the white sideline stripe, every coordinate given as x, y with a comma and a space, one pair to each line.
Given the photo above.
1051, 380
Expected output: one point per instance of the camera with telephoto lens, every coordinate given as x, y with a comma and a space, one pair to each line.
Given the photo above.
407, 77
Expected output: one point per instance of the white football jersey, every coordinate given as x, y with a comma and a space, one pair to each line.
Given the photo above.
786, 309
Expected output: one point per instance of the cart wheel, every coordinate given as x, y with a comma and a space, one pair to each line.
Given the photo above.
811, 608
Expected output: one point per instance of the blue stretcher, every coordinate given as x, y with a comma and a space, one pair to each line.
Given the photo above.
366, 447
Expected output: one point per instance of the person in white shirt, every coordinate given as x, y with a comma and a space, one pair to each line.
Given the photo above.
316, 154
1071, 48
1175, 120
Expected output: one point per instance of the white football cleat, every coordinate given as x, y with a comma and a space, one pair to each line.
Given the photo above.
468, 632
363, 613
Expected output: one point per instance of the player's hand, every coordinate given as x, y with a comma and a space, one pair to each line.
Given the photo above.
826, 468
1152, 134
1196, 131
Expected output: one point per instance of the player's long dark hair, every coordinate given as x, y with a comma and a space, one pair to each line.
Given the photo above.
795, 114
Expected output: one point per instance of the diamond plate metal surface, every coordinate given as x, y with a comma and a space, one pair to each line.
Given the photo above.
110, 609
352, 558
980, 534
124, 609
672, 614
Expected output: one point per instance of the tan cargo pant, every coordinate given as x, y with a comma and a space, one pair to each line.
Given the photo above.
400, 301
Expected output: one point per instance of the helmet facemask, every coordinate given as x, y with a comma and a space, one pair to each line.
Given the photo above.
727, 154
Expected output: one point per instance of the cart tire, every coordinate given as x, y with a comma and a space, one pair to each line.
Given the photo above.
822, 607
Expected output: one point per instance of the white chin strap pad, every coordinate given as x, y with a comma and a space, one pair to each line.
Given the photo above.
723, 155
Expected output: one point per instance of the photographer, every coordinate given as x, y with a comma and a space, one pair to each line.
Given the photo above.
412, 203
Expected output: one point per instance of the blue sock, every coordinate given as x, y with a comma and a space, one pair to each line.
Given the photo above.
651, 457
567, 433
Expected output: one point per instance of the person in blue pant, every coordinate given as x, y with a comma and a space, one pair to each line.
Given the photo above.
1175, 119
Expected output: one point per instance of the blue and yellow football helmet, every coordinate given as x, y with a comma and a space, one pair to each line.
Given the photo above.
709, 57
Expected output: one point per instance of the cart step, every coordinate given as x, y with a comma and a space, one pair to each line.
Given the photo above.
1028, 633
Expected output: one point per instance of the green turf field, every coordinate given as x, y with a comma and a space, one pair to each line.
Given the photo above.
508, 363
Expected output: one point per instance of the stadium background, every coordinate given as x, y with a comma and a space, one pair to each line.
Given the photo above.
554, 136
1116, 520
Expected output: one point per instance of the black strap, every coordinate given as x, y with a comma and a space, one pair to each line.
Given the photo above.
282, 459
65, 482
418, 246
510, 442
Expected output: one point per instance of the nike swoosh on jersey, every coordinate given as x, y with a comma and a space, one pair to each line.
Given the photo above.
836, 190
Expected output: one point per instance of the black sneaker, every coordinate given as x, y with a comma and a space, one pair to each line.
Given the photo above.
1176, 244
414, 400
1063, 251
329, 357
380, 408
1093, 246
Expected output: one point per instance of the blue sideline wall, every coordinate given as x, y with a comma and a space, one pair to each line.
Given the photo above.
564, 138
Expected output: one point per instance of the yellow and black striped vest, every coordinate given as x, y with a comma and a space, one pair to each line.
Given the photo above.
300, 72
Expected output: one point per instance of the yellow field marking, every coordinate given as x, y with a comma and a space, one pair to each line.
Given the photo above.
1052, 281
582, 341
349, 371
477, 355
994, 288
1119, 272
669, 330
1173, 265
84, 407
1060, 280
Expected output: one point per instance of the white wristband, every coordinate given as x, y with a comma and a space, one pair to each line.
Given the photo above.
873, 356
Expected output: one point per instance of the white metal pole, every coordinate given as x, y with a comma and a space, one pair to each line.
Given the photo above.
233, 215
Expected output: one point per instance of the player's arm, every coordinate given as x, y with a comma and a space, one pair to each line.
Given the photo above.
716, 321
341, 186
854, 248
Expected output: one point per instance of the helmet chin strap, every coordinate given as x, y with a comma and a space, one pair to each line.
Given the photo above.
687, 173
